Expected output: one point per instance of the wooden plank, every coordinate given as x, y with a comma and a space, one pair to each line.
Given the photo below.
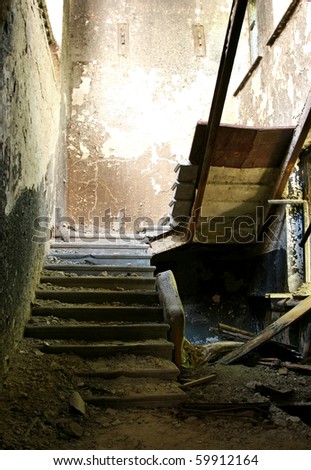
298, 139
236, 192
225, 229
167, 373
158, 348
302, 368
99, 332
198, 144
235, 23
272, 330
96, 296
307, 342
100, 313
234, 329
186, 173
263, 176
231, 209
140, 400
241, 146
101, 282
224, 406
183, 191
245, 147
200, 381
283, 23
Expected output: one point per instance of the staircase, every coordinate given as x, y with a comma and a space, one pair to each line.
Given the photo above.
97, 299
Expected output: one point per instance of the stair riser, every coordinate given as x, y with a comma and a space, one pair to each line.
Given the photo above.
98, 333
159, 401
100, 282
102, 314
164, 351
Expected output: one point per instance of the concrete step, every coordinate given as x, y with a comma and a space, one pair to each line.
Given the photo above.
101, 237
99, 313
99, 246
81, 269
161, 396
99, 297
156, 347
125, 259
101, 250
140, 271
130, 366
100, 282
99, 332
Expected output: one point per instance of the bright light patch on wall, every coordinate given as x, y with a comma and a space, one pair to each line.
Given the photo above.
279, 8
55, 11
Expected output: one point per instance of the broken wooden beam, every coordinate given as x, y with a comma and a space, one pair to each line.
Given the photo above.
234, 329
200, 381
233, 332
307, 343
300, 368
233, 32
272, 330
253, 411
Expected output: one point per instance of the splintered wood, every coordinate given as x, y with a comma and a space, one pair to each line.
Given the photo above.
272, 330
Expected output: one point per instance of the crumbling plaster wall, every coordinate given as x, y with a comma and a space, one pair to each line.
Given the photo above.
29, 141
276, 91
274, 95
134, 112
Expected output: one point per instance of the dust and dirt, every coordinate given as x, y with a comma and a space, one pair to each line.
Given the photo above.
37, 410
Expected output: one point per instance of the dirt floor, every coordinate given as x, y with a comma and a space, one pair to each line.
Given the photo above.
36, 412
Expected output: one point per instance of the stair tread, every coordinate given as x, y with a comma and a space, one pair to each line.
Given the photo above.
95, 344
98, 267
142, 399
129, 363
129, 366
99, 282
126, 238
45, 288
98, 245
93, 325
154, 347
98, 297
48, 304
97, 332
64, 255
103, 271
98, 312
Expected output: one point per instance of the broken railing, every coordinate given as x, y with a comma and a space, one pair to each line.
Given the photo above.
173, 312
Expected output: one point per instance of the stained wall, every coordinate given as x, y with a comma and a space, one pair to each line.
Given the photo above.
29, 144
134, 106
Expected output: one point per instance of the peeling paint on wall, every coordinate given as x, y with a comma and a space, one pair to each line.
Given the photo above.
276, 91
79, 94
31, 112
133, 116
30, 143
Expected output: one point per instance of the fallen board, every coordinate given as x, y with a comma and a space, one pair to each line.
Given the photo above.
276, 327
